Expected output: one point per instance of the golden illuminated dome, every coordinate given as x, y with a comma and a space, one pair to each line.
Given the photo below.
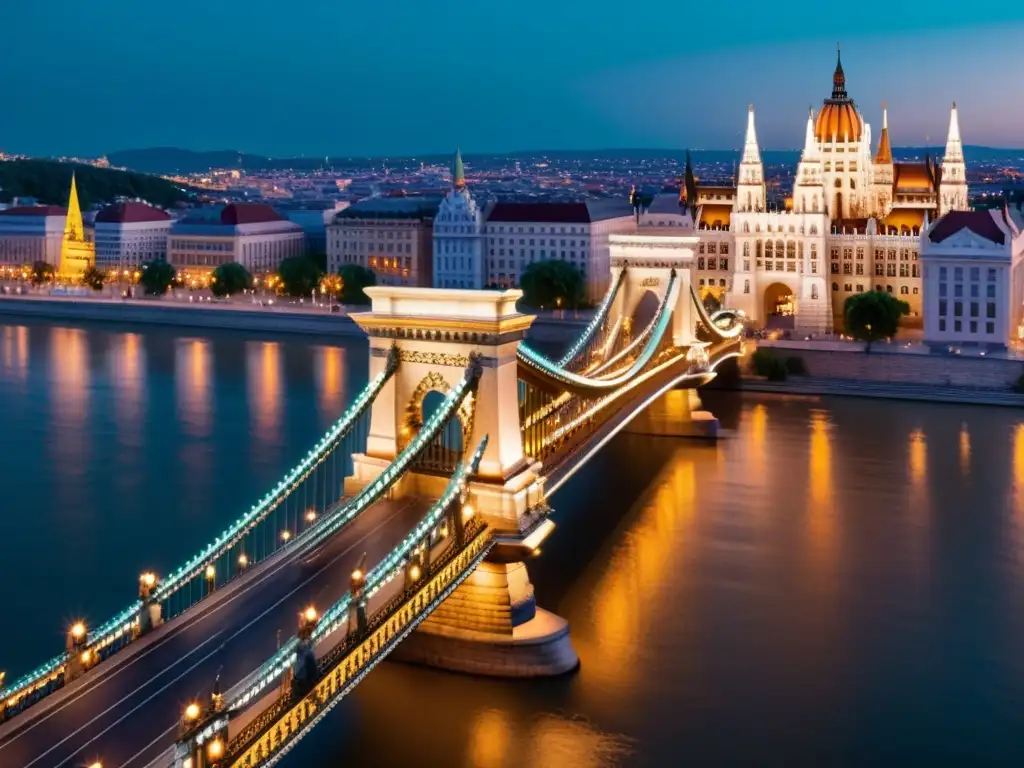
838, 119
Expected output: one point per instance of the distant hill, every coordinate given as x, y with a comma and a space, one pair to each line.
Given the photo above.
49, 181
168, 160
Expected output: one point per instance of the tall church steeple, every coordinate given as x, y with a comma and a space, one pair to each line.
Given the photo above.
884, 154
77, 252
74, 227
953, 181
750, 192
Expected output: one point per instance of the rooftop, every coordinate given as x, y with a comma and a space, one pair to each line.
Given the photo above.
35, 210
981, 223
560, 213
128, 213
392, 208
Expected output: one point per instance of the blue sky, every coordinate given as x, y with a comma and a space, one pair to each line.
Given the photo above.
413, 76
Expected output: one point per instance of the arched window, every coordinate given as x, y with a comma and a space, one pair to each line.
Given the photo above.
838, 183
791, 250
835, 286
814, 227
853, 183
814, 291
768, 250
779, 249
746, 226
746, 286
814, 206
759, 249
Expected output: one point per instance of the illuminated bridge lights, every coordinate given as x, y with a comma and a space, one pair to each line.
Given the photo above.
249, 688
121, 624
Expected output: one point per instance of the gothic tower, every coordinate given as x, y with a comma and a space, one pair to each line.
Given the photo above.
750, 192
883, 169
77, 252
953, 180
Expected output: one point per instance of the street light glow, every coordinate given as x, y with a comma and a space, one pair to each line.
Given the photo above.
216, 749
148, 578
192, 711
78, 630
211, 572
310, 614
243, 560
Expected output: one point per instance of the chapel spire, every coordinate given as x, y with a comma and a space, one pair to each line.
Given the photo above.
954, 147
751, 152
74, 227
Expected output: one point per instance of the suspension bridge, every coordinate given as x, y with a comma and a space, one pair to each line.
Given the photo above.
406, 527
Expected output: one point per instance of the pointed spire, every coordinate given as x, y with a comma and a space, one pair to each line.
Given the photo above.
954, 147
74, 227
690, 184
458, 172
884, 154
751, 152
810, 143
839, 79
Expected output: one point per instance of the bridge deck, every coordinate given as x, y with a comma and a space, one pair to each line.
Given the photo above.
127, 715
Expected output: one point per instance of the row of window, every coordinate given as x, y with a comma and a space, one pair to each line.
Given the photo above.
975, 274
975, 308
975, 289
881, 270
850, 288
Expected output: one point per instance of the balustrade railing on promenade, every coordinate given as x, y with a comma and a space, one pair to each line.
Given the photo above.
306, 498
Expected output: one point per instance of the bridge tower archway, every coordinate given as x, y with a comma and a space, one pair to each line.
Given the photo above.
779, 302
439, 334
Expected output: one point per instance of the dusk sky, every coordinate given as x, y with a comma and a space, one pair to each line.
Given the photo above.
321, 77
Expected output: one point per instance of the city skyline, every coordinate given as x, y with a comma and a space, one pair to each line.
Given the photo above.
217, 78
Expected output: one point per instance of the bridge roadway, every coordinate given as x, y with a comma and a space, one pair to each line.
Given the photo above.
127, 714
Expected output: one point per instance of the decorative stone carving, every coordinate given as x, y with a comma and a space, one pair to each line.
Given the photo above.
433, 358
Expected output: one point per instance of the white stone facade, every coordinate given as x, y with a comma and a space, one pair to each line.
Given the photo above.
31, 233
459, 242
973, 279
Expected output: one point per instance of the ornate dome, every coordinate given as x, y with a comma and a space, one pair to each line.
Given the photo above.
839, 118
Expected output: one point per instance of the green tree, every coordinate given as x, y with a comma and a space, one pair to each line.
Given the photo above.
320, 259
712, 303
873, 316
550, 284
156, 277
354, 278
42, 272
93, 277
230, 278
299, 275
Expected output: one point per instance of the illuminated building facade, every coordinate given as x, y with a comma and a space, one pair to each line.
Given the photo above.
973, 278
130, 234
853, 223
458, 236
393, 236
47, 233
252, 234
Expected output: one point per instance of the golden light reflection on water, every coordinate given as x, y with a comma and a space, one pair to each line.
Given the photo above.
490, 738
330, 375
69, 375
265, 380
823, 504
128, 376
1018, 468
557, 742
758, 439
194, 379
630, 590
918, 459
965, 449
15, 350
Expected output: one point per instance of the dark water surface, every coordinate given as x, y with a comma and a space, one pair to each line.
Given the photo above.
839, 583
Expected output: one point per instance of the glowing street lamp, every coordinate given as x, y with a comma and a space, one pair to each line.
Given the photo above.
286, 536
243, 560
215, 749
211, 572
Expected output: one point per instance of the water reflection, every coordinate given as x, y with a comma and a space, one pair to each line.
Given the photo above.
557, 742
824, 503
1018, 467
265, 381
127, 365
194, 373
330, 374
965, 449
490, 739
15, 351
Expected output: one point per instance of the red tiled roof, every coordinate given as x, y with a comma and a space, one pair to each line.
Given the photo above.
126, 213
35, 210
553, 213
979, 222
248, 213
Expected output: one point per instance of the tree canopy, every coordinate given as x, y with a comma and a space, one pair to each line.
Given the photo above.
50, 181
230, 278
299, 275
551, 284
93, 277
873, 316
156, 277
354, 278
42, 272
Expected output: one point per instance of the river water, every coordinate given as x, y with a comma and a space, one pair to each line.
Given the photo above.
838, 582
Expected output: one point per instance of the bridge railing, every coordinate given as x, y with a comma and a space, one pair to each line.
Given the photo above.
360, 648
284, 657
307, 496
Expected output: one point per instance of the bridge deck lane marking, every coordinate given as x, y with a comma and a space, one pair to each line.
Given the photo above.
319, 573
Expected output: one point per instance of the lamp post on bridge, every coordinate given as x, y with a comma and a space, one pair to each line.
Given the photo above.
150, 616
357, 608
202, 739
304, 673
79, 656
